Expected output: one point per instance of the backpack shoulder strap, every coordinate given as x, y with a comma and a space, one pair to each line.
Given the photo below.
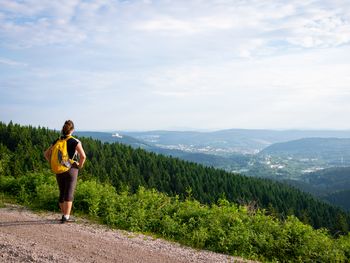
68, 137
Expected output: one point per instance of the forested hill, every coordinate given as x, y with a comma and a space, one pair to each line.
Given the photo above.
341, 198
329, 180
116, 137
21, 151
335, 150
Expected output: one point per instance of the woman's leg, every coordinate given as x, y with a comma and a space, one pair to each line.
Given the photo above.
67, 207
71, 183
62, 207
61, 186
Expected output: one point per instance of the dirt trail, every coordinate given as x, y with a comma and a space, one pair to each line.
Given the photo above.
29, 237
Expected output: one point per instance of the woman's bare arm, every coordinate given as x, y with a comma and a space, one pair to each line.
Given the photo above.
82, 155
47, 153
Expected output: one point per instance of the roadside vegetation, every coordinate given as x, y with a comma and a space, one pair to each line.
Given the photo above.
198, 206
21, 151
222, 227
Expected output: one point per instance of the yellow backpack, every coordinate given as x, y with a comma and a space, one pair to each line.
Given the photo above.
60, 161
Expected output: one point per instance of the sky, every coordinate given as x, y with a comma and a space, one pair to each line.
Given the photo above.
193, 64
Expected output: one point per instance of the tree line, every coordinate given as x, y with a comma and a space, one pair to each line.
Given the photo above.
21, 151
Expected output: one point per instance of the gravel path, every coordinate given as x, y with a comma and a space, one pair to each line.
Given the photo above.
29, 237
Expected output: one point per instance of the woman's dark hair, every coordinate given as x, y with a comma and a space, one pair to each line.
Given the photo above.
67, 127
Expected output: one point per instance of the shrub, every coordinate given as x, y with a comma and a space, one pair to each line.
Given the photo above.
223, 227
87, 197
9, 184
47, 197
107, 203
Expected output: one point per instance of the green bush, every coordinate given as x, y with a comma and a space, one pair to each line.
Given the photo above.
343, 243
88, 196
223, 227
25, 188
9, 184
107, 204
2, 202
47, 197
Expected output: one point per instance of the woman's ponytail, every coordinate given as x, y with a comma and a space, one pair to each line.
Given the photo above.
67, 127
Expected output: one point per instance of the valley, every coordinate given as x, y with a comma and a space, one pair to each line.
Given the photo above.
292, 157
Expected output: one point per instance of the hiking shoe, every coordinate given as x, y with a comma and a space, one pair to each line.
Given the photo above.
65, 220
70, 220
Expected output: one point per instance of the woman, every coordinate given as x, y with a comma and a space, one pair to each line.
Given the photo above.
68, 180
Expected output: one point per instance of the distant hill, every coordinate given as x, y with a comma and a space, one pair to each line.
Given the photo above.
341, 198
217, 149
332, 185
335, 151
225, 142
233, 162
113, 137
329, 180
324, 183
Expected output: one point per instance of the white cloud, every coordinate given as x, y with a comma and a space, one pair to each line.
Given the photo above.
180, 63
12, 63
324, 30
186, 27
40, 23
305, 24
281, 92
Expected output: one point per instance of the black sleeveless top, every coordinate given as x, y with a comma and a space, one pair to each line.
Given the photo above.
71, 145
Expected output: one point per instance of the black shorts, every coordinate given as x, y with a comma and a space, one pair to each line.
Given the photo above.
66, 183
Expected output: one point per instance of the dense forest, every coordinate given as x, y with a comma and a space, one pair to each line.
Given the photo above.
331, 185
21, 151
332, 151
329, 180
340, 198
